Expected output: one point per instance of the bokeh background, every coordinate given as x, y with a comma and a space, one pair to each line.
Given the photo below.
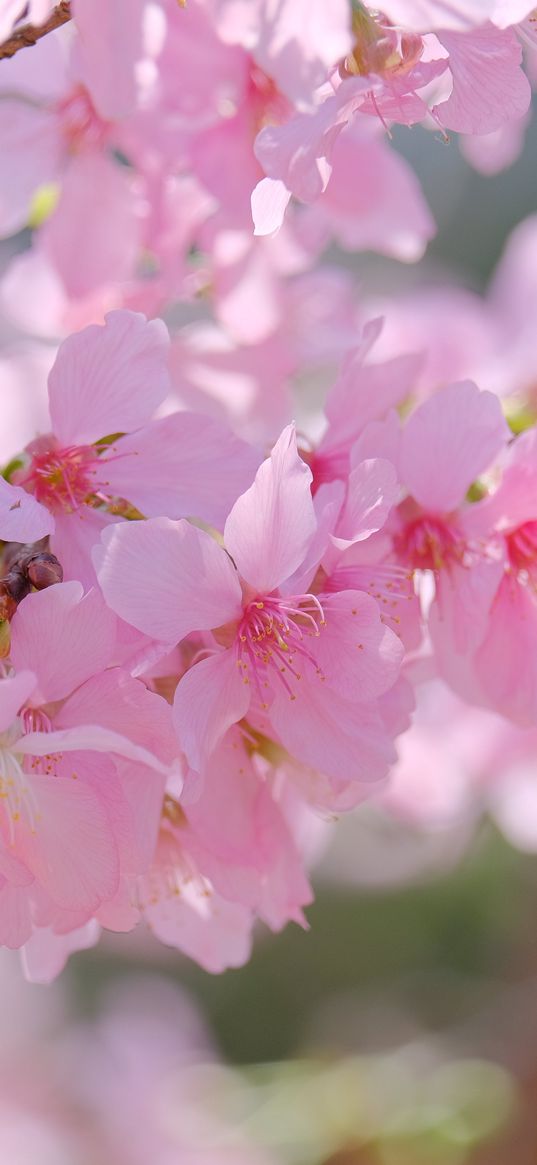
401, 1029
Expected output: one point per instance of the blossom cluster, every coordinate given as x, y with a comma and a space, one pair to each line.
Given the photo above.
213, 620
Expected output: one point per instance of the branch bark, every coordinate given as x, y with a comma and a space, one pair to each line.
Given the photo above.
27, 35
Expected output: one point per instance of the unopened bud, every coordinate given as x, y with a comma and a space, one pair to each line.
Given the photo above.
44, 570
16, 584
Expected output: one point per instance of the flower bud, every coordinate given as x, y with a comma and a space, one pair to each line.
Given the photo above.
43, 570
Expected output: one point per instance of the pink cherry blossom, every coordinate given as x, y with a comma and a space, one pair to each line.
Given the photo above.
67, 821
314, 664
107, 380
500, 671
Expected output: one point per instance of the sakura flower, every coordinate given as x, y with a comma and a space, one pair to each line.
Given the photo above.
314, 665
221, 860
54, 134
107, 380
238, 834
184, 910
383, 77
444, 446
501, 671
66, 825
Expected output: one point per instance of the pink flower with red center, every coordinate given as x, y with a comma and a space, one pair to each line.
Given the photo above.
501, 671
443, 447
62, 479
384, 77
312, 665
107, 381
427, 542
60, 128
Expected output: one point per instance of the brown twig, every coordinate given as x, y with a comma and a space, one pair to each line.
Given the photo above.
28, 34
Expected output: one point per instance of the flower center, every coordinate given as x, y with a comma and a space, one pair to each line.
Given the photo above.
522, 551
379, 48
272, 638
59, 478
428, 543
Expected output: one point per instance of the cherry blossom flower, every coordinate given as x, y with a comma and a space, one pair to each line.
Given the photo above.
109, 380
314, 664
66, 820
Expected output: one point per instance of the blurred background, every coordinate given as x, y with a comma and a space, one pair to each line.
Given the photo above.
401, 1029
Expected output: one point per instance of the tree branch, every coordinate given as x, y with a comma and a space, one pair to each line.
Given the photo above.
27, 35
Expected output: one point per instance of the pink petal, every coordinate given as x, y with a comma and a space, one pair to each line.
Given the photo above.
298, 152
270, 527
45, 954
339, 737
102, 775
167, 578
119, 913
185, 465
447, 442
461, 609
489, 85
373, 200
239, 837
217, 934
208, 700
88, 737
15, 914
110, 46
74, 539
71, 851
65, 635
506, 662
93, 243
424, 15
359, 656
116, 701
14, 692
22, 519
372, 491
364, 393
273, 33
30, 138
327, 503
143, 794
108, 379
270, 200
23, 375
